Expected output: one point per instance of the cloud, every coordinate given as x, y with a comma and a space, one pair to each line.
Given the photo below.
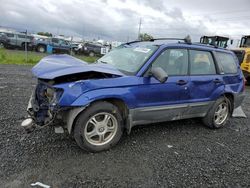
119, 19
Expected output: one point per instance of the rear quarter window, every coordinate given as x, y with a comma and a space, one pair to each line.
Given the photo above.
226, 62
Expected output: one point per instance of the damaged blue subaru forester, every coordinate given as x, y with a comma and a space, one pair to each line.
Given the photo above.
136, 83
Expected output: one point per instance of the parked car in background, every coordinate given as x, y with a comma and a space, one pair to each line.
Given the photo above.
18, 40
137, 83
76, 47
58, 45
4, 41
92, 49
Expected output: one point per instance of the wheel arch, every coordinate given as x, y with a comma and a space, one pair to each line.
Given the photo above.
38, 45
230, 97
119, 103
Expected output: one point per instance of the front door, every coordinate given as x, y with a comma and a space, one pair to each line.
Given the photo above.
164, 101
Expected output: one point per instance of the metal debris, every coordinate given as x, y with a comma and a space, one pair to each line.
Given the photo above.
40, 184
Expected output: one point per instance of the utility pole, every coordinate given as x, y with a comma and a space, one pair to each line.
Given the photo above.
25, 47
139, 30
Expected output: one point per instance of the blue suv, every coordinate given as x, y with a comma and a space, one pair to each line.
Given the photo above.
136, 83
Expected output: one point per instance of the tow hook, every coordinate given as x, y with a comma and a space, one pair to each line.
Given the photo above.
28, 124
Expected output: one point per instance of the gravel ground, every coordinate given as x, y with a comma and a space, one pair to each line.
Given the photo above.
172, 154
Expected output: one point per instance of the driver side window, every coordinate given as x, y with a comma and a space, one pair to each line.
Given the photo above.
173, 61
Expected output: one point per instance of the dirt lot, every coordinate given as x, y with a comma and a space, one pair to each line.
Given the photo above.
172, 154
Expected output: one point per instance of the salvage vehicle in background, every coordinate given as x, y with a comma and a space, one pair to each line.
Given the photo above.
58, 45
18, 40
243, 54
137, 83
218, 41
4, 41
93, 49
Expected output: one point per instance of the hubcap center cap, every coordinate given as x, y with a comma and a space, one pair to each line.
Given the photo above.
101, 129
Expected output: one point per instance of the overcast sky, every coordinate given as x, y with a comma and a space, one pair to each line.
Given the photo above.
119, 19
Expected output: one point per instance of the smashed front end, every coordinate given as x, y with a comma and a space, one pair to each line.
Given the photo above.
43, 106
61, 80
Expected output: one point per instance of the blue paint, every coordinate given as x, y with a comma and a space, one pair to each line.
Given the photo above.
136, 90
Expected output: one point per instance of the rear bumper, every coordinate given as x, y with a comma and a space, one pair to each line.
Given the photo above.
238, 98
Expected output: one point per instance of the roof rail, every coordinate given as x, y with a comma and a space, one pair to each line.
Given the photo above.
203, 44
187, 40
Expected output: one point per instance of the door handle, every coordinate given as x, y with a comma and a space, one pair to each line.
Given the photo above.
181, 82
217, 81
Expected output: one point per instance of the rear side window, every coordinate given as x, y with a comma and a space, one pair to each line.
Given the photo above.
21, 36
10, 34
201, 63
226, 62
173, 62
55, 40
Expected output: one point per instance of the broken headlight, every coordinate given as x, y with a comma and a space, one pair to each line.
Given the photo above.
53, 95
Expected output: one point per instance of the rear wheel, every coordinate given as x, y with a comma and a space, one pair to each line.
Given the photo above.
219, 114
41, 49
248, 81
91, 54
99, 127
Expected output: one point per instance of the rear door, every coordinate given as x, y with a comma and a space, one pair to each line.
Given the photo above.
205, 83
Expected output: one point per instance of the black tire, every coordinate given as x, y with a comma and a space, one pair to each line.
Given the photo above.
41, 48
209, 119
2, 45
91, 54
83, 121
23, 46
248, 81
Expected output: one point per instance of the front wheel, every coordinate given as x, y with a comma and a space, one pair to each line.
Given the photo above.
99, 127
219, 114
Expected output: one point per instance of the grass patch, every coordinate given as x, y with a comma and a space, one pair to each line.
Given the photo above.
19, 57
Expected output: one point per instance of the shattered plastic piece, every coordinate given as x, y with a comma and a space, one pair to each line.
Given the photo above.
238, 112
169, 146
40, 184
59, 130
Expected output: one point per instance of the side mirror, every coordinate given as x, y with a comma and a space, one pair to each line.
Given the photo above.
231, 41
159, 74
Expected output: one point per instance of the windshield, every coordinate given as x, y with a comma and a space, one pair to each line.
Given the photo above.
128, 59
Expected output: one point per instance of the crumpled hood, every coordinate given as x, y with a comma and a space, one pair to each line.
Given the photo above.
54, 66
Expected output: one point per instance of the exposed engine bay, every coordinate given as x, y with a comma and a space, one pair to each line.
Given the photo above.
43, 107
